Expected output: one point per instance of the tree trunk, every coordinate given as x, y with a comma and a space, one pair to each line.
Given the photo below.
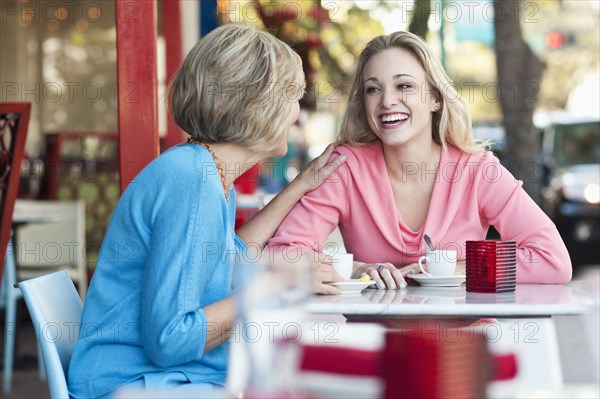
519, 75
418, 25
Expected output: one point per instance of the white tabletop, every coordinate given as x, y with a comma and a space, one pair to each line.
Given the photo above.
22, 218
23, 213
529, 300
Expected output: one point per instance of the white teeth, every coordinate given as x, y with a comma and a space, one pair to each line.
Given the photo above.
394, 118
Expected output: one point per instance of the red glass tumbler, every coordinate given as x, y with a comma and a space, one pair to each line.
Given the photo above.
491, 266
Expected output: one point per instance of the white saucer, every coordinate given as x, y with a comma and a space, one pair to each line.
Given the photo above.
352, 287
438, 281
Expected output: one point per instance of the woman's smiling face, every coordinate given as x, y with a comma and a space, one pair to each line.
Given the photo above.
398, 100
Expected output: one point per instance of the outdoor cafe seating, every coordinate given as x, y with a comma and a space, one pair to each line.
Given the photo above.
522, 340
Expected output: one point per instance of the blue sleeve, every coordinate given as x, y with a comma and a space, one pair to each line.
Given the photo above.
188, 228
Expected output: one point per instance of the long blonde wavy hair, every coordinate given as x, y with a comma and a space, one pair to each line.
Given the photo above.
450, 126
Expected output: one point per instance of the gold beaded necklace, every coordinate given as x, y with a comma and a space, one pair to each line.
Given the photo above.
217, 161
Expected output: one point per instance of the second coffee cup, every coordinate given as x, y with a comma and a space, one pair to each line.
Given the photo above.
439, 263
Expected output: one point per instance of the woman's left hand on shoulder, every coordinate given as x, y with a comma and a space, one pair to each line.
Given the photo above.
319, 169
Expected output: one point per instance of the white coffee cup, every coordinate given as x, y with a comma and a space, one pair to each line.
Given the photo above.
439, 263
343, 263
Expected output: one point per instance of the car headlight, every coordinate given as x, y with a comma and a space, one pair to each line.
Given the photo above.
581, 188
591, 193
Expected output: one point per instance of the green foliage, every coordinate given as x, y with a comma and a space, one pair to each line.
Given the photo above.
327, 35
471, 65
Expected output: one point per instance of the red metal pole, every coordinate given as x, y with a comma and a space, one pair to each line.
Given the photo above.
137, 86
172, 29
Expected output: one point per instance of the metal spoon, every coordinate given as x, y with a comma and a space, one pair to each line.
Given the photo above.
428, 242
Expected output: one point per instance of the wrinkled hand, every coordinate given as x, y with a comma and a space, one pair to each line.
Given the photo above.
323, 272
387, 276
319, 169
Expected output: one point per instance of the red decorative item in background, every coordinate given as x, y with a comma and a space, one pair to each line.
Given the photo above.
242, 215
245, 187
313, 40
247, 183
319, 14
14, 122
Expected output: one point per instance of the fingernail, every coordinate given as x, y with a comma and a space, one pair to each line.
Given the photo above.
402, 286
392, 286
381, 286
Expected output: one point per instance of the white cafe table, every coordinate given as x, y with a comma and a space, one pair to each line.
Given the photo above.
528, 300
23, 215
519, 322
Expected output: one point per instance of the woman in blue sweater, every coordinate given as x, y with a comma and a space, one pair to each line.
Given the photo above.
160, 304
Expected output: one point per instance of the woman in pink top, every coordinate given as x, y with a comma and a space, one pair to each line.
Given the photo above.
412, 168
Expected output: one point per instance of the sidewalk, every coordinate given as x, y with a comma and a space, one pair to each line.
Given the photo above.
26, 382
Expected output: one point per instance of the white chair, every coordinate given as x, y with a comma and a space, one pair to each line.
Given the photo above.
534, 343
55, 309
9, 295
51, 237
8, 300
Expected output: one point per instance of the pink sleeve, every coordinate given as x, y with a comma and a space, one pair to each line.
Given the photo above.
541, 256
316, 215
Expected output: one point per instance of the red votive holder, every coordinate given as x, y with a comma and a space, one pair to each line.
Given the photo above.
491, 266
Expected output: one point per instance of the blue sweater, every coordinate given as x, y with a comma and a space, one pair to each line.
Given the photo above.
167, 252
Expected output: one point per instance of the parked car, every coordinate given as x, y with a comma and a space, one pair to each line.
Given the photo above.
571, 196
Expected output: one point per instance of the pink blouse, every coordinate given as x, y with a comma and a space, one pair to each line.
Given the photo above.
471, 193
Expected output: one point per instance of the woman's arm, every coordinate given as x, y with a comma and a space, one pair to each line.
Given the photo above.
258, 230
306, 228
220, 317
541, 253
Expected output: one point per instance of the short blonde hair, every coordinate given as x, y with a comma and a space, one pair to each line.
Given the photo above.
238, 85
451, 125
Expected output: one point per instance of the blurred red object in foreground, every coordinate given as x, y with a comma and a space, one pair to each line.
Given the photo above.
425, 366
417, 365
